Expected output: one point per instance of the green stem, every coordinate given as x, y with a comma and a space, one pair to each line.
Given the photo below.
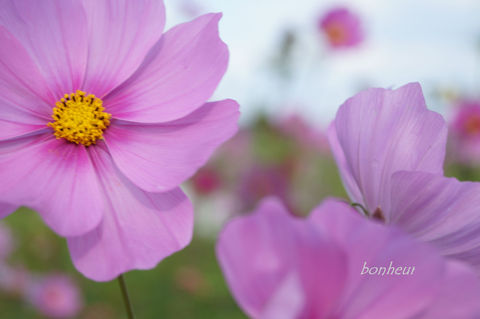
126, 297
364, 211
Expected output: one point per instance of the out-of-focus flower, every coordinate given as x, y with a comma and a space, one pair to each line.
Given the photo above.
390, 150
6, 242
213, 211
304, 134
190, 8
465, 133
14, 280
103, 118
56, 296
207, 180
342, 28
191, 280
259, 182
337, 264
238, 149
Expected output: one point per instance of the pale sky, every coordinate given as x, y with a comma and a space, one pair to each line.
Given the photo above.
434, 42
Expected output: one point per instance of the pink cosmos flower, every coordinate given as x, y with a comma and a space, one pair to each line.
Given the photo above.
465, 132
102, 117
56, 296
342, 28
390, 149
328, 266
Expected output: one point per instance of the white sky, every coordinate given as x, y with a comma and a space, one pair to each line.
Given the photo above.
434, 42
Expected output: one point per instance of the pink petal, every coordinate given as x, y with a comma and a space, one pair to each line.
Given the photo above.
6, 209
24, 103
287, 301
138, 230
388, 296
121, 33
55, 35
269, 255
380, 132
55, 178
364, 241
180, 74
159, 157
256, 256
439, 210
276, 264
458, 296
349, 182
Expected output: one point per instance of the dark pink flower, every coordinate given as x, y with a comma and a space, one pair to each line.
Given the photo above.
207, 180
342, 28
281, 267
390, 150
465, 132
102, 117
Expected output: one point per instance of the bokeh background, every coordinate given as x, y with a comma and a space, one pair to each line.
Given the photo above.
289, 75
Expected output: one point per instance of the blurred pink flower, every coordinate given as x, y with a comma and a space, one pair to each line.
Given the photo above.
304, 134
191, 8
6, 241
14, 280
390, 150
342, 28
239, 149
281, 267
465, 132
207, 180
102, 118
258, 182
56, 296
191, 280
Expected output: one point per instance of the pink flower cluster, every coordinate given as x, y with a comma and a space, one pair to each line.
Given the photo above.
53, 295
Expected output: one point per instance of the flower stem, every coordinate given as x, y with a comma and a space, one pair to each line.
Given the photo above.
364, 211
126, 297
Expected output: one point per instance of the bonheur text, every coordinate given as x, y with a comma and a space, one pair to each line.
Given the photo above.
390, 270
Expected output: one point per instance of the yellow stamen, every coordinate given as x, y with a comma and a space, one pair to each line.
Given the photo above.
473, 125
336, 33
79, 118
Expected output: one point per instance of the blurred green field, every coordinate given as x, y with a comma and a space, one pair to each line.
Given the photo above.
188, 284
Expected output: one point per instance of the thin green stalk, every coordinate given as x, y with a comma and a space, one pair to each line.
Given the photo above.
364, 211
126, 297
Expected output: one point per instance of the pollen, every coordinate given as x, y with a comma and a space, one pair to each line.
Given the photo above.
80, 118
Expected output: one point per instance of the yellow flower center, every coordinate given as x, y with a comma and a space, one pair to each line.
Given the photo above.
80, 118
336, 33
473, 125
